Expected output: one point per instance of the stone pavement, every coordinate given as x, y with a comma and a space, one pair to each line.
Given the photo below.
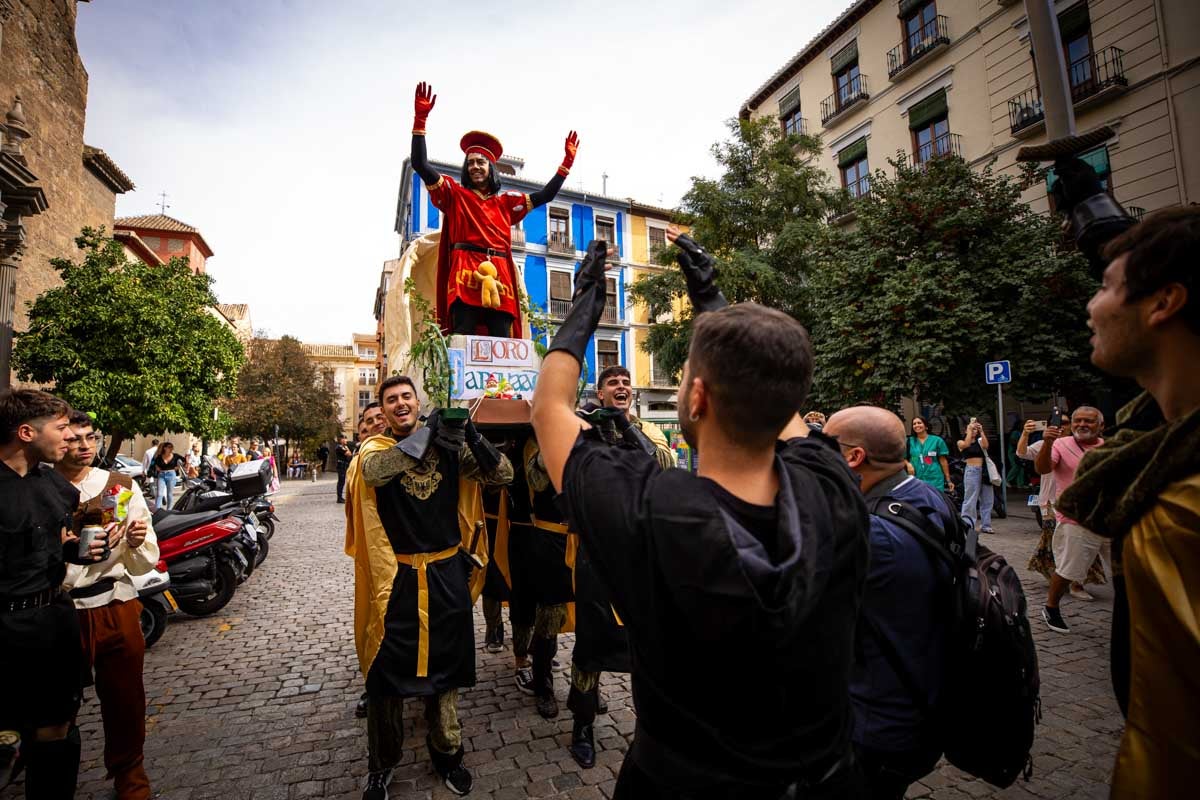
258, 701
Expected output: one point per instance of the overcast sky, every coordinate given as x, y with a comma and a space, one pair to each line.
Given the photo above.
278, 127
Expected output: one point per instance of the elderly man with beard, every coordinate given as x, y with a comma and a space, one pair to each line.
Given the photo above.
748, 575
600, 642
1075, 547
476, 280
416, 502
108, 607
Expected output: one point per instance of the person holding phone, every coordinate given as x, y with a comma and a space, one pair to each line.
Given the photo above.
978, 496
1042, 560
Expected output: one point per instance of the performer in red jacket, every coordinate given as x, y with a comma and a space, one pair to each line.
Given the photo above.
477, 280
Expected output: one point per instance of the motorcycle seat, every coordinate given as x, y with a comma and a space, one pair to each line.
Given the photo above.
169, 523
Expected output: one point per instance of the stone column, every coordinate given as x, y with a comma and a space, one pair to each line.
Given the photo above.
20, 197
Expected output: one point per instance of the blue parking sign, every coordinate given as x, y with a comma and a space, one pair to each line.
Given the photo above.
998, 372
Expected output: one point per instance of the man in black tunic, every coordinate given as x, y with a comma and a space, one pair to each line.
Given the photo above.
600, 642
739, 587
41, 653
423, 644
541, 575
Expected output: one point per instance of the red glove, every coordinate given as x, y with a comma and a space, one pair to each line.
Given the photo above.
422, 105
572, 147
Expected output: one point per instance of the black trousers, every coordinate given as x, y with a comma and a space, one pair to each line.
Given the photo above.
341, 485
468, 319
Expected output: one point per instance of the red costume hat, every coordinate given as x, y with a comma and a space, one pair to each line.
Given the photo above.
479, 142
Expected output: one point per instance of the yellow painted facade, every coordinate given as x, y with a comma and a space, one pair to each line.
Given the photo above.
643, 221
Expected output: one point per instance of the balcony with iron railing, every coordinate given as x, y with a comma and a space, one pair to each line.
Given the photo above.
948, 144
560, 308
1137, 212
1093, 77
1098, 73
560, 243
844, 212
918, 44
518, 239
845, 98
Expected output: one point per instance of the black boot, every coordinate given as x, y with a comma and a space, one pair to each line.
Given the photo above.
52, 768
493, 640
449, 767
583, 747
542, 650
601, 703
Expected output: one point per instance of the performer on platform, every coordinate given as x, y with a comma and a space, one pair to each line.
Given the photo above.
600, 642
476, 279
541, 563
416, 501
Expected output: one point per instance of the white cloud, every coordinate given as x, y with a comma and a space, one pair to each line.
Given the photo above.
278, 127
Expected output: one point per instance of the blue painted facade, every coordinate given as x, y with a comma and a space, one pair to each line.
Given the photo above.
416, 216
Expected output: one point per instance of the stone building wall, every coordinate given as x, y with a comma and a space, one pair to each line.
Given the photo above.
39, 60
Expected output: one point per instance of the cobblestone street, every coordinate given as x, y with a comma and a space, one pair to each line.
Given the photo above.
258, 701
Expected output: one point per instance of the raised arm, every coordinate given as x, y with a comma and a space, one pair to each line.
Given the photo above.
422, 105
554, 420
699, 272
548, 192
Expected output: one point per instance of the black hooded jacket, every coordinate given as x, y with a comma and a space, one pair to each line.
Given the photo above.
742, 650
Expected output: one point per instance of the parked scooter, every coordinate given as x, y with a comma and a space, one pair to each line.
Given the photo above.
203, 556
158, 604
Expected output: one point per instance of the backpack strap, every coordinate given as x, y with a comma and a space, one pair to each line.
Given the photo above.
919, 526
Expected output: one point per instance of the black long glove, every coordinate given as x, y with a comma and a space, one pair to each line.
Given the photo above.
1095, 217
700, 274
587, 304
633, 435
486, 455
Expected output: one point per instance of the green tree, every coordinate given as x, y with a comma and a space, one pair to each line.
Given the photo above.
946, 269
758, 219
140, 346
282, 386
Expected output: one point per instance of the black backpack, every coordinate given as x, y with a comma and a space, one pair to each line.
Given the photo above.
989, 703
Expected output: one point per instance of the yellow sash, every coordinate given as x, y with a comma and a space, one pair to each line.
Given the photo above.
420, 562
568, 625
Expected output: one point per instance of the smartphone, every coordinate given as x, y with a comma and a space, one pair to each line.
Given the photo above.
1056, 418
1039, 425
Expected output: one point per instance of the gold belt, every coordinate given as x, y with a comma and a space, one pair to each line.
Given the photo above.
420, 562
553, 527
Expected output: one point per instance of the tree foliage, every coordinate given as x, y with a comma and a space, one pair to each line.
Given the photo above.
758, 219
946, 269
139, 346
282, 386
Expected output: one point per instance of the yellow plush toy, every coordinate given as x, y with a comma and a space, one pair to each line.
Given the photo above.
489, 287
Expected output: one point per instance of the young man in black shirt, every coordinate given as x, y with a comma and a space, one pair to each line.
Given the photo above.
739, 587
41, 655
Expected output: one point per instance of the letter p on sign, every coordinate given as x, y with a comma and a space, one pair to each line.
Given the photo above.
998, 372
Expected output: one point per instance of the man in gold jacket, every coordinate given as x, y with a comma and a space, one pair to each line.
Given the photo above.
411, 529
1142, 489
